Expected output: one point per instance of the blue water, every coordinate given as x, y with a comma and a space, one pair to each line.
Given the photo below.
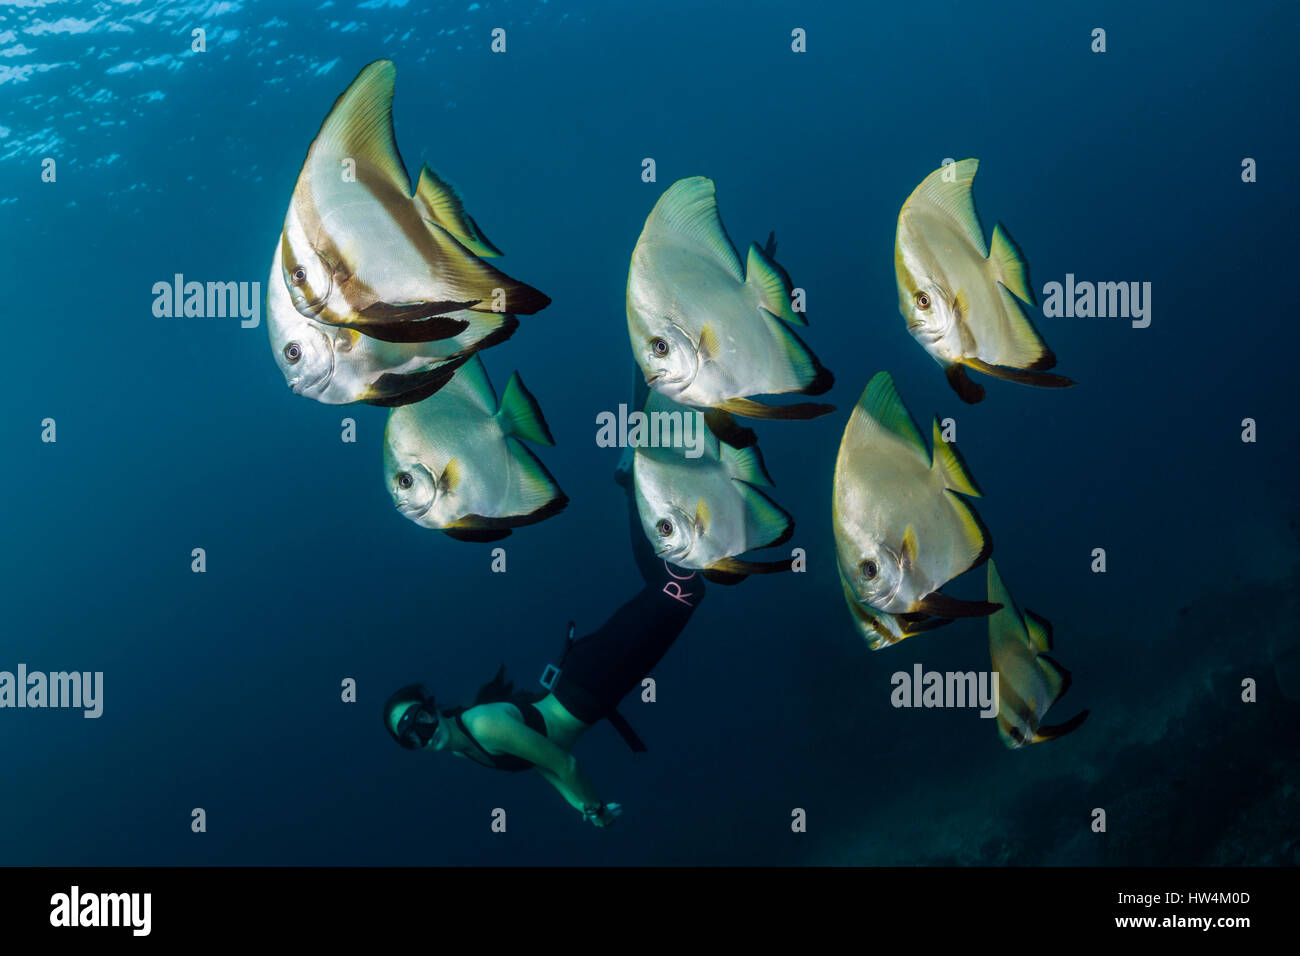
222, 689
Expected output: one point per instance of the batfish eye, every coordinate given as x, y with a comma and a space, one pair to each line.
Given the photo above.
922, 301
869, 569
299, 275
660, 346
404, 480
664, 527
292, 352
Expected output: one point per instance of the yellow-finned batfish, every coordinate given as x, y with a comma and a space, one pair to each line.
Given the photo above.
337, 366
1029, 682
961, 302
706, 330
455, 461
701, 512
359, 251
901, 531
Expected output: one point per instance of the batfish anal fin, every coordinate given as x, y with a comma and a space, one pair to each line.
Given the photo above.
937, 604
968, 391
800, 411
725, 428
1021, 376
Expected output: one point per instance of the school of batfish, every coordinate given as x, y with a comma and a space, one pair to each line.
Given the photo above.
385, 296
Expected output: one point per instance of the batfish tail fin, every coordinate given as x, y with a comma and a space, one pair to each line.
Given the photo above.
520, 414
1009, 261
438, 201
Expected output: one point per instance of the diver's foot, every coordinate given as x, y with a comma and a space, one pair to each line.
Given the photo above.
623, 473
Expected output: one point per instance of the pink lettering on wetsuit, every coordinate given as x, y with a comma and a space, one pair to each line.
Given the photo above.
674, 590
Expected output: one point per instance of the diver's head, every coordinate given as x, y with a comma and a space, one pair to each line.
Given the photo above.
411, 719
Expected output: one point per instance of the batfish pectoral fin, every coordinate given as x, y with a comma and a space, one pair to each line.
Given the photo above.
725, 428
943, 605
1060, 730
968, 391
1020, 375
450, 477
708, 347
801, 411
702, 517
907, 554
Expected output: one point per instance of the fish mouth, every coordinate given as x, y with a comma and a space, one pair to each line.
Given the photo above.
651, 379
316, 385
415, 512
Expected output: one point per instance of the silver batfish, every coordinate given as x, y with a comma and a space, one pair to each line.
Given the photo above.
359, 251
455, 461
700, 512
962, 302
335, 365
706, 331
1029, 681
901, 531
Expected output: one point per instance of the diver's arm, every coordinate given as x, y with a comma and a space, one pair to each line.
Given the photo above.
560, 768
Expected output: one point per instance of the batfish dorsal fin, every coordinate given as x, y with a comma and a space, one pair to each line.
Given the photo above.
746, 464
360, 127
948, 189
687, 213
882, 407
520, 414
438, 201
772, 285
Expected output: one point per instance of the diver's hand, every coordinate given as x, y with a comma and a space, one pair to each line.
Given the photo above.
602, 814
